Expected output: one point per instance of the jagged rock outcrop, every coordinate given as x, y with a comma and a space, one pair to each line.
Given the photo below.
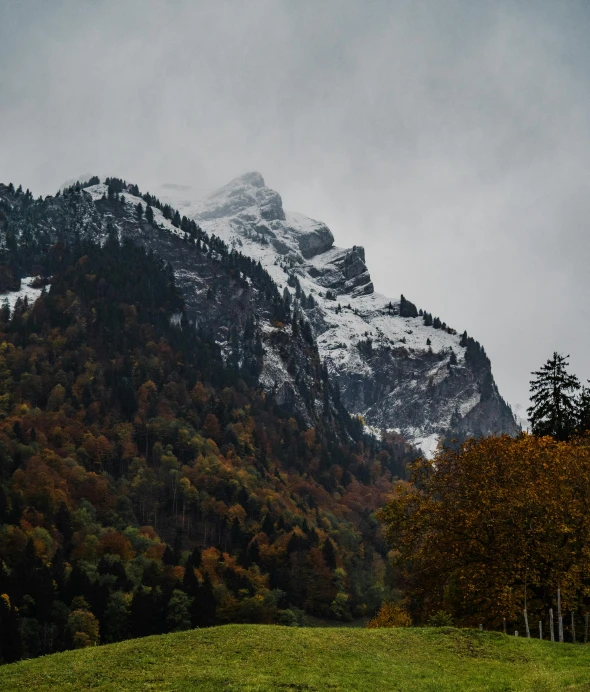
316, 241
394, 370
343, 272
243, 193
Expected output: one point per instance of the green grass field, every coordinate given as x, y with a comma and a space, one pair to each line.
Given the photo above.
259, 657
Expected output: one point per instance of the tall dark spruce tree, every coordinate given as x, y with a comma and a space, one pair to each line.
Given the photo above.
583, 404
554, 409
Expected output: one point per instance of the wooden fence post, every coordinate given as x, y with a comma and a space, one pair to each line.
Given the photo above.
540, 629
573, 628
526, 624
559, 618
504, 623
551, 629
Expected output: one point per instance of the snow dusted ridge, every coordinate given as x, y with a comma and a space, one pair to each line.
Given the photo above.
395, 371
100, 191
26, 291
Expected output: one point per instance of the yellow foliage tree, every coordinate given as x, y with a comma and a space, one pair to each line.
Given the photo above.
83, 628
390, 615
492, 522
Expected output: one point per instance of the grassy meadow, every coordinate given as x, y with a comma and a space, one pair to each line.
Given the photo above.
260, 657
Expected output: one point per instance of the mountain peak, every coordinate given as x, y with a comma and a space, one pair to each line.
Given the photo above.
252, 178
243, 193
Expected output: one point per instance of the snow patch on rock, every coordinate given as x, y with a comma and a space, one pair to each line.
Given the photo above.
26, 290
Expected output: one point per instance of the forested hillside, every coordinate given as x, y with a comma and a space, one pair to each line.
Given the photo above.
148, 483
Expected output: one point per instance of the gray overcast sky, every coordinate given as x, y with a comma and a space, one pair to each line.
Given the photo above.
451, 139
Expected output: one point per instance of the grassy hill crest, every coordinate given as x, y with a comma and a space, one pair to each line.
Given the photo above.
267, 657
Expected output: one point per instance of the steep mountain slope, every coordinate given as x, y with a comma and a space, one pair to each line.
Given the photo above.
399, 369
235, 301
228, 296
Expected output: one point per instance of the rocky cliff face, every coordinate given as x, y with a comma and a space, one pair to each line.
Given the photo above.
391, 368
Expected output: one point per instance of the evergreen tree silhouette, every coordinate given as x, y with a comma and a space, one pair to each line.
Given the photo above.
553, 409
583, 406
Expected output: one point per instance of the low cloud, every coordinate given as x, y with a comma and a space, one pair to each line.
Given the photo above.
451, 139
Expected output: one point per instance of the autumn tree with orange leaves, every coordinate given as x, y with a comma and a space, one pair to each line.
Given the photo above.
489, 520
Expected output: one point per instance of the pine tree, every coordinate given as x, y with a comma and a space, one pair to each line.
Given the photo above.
204, 604
267, 525
168, 556
286, 298
583, 406
5, 311
407, 308
63, 523
178, 612
10, 636
177, 550
329, 553
553, 409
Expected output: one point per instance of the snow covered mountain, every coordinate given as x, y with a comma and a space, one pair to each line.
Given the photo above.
284, 302
399, 369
